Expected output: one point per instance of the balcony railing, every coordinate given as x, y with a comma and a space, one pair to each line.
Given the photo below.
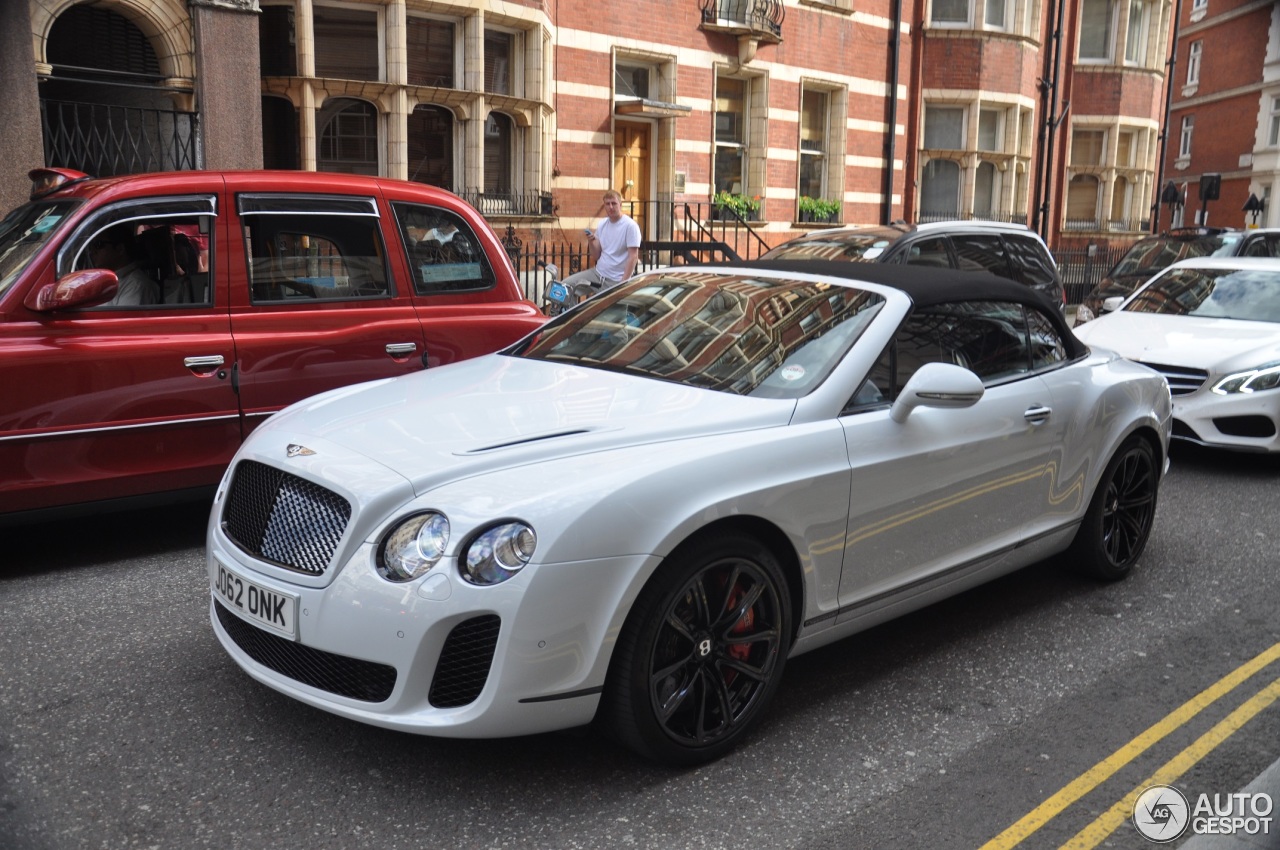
762, 18
497, 204
106, 140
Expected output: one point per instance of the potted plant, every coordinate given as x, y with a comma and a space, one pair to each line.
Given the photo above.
818, 210
746, 207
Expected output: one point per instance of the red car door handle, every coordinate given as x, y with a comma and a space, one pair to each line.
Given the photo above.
205, 363
401, 349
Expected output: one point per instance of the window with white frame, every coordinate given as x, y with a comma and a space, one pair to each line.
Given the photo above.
731, 134
1193, 62
499, 156
814, 120
991, 129
996, 14
950, 12
1096, 28
1184, 137
1135, 43
939, 190
632, 81
986, 190
944, 127
1200, 4
1273, 125
1088, 146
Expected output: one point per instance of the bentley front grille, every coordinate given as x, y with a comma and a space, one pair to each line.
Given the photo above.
284, 519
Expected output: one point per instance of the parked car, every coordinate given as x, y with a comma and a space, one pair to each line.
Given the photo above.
1149, 256
637, 513
1008, 250
254, 290
1211, 326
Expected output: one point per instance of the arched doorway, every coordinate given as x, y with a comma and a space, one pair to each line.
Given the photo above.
105, 108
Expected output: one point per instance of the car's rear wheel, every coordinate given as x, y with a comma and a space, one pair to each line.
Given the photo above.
702, 652
1119, 519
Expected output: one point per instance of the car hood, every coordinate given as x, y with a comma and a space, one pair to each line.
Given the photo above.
498, 411
1186, 341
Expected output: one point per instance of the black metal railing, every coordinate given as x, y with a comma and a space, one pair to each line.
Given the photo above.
530, 203
761, 16
952, 215
106, 140
1082, 268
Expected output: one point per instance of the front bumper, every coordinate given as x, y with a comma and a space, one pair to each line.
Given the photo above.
526, 656
1240, 421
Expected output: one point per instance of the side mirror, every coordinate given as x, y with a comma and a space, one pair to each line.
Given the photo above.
937, 385
1110, 305
79, 289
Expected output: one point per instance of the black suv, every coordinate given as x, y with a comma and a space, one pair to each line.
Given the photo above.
1008, 250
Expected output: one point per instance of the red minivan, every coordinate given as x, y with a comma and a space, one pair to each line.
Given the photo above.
240, 293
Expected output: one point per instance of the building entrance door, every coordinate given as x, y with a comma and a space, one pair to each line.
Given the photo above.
631, 163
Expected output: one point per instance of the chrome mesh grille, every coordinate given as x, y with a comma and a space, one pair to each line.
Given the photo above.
284, 519
1181, 379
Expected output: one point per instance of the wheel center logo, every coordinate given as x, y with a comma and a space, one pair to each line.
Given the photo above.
1161, 813
704, 647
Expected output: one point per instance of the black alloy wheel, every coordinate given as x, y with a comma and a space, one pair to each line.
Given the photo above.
1119, 519
702, 652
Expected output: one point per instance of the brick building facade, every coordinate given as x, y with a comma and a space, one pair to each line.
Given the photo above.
1225, 114
1043, 113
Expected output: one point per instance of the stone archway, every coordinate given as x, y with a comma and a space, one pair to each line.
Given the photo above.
116, 93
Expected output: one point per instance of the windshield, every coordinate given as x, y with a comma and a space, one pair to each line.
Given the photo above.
854, 247
24, 232
732, 333
1252, 294
1151, 255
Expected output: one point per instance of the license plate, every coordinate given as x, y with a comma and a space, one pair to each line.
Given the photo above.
270, 608
558, 293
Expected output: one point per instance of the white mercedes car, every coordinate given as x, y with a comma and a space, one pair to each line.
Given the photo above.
1212, 327
638, 513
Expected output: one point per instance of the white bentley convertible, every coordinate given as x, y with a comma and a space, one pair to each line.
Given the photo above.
638, 513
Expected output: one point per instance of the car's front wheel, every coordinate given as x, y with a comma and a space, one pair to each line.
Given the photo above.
1119, 519
702, 651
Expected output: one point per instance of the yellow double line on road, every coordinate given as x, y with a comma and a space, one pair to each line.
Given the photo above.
1096, 832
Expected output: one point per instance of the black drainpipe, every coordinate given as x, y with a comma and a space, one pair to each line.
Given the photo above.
895, 44
1164, 124
1048, 127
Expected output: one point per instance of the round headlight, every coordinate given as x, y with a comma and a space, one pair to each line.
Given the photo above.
413, 547
499, 553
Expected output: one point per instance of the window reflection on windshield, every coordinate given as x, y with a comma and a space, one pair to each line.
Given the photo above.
767, 338
855, 247
1163, 251
1213, 293
24, 232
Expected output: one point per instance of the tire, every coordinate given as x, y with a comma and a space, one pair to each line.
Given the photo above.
1116, 526
702, 652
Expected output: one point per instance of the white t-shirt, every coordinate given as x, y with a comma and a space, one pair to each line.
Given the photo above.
615, 239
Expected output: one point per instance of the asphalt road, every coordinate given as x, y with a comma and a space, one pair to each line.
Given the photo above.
123, 725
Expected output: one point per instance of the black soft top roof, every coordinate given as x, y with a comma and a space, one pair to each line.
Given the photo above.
927, 286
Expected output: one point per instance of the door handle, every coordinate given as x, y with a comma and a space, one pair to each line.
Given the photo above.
401, 349
1037, 414
204, 363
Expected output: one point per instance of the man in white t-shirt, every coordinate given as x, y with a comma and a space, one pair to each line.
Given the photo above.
614, 248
